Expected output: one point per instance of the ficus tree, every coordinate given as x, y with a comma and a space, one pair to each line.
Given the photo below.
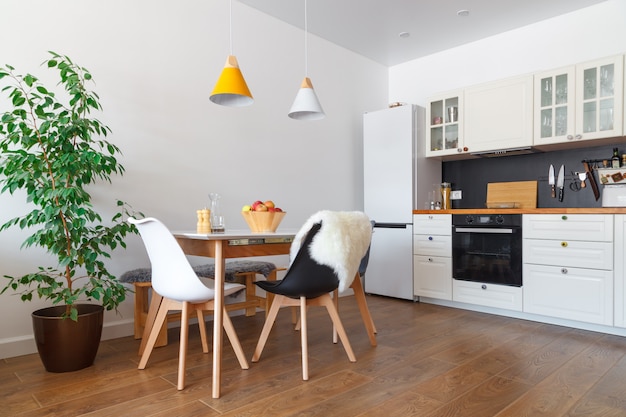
53, 150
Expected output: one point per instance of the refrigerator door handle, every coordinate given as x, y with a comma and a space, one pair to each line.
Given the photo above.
391, 225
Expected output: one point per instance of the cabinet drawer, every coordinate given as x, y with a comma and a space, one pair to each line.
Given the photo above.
569, 293
489, 295
589, 227
432, 224
432, 277
572, 253
432, 245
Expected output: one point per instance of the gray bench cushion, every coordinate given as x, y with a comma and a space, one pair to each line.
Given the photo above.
208, 270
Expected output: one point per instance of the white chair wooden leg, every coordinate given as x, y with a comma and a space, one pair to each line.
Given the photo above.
182, 354
161, 315
203, 334
155, 305
269, 322
328, 303
234, 341
303, 339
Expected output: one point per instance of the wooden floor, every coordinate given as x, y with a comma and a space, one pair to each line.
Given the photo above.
430, 361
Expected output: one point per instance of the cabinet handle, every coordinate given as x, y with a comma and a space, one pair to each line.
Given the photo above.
430, 238
563, 270
563, 217
430, 217
579, 136
430, 259
563, 244
570, 137
484, 287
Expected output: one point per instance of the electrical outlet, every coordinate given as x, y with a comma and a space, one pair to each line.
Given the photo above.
456, 195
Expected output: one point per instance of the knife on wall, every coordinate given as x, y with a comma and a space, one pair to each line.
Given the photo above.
551, 181
560, 181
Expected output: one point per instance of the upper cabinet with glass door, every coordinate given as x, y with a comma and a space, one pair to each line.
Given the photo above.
600, 98
554, 106
444, 120
581, 102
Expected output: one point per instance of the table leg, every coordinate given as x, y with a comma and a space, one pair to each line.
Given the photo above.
218, 318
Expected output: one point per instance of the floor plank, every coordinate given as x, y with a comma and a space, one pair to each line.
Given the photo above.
430, 361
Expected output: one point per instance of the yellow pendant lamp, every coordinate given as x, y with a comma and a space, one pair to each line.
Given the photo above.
231, 89
306, 106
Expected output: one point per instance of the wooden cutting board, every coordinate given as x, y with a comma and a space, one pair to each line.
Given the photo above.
523, 194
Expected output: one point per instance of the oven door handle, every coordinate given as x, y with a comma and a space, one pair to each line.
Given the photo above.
481, 230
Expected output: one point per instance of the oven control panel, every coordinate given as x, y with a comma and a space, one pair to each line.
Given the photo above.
487, 219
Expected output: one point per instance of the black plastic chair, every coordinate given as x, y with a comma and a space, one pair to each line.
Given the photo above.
308, 283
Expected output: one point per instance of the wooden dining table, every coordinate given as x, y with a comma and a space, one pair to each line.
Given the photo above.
222, 246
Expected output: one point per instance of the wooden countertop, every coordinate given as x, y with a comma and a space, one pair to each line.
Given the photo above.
565, 210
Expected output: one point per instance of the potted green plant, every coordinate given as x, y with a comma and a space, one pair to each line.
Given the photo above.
52, 150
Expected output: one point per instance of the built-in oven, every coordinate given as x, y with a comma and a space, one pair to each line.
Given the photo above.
487, 248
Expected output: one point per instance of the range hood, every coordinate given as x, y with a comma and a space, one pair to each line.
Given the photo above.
506, 152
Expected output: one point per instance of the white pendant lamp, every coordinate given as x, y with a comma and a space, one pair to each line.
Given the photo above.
306, 106
231, 89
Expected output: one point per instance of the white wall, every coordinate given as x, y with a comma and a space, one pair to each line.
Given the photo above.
590, 33
155, 63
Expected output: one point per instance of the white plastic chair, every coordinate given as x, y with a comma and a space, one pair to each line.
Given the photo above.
175, 281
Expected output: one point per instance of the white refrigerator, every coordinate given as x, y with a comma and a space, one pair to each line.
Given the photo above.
397, 178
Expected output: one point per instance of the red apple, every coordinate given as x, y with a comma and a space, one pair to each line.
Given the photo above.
272, 209
255, 204
260, 207
278, 209
269, 204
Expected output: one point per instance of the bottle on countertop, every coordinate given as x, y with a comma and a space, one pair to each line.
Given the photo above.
615, 160
445, 196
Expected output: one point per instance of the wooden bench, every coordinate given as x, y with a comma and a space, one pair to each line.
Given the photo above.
243, 272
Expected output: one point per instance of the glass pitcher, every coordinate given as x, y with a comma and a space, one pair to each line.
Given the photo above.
217, 219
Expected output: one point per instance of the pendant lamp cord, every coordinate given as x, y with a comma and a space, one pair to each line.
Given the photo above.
230, 24
306, 46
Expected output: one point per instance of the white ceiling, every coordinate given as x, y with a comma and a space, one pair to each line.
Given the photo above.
371, 27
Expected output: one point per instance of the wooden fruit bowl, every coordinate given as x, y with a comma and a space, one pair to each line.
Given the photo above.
263, 221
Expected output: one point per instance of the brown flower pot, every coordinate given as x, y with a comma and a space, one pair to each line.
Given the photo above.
65, 345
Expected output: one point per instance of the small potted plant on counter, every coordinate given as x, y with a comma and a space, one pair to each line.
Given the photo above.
51, 150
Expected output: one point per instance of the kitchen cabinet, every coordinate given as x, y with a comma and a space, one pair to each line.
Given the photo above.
620, 270
499, 115
444, 121
432, 255
579, 102
488, 295
568, 266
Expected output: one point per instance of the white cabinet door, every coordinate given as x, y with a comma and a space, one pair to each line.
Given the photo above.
489, 295
573, 253
432, 245
499, 115
620, 270
432, 224
432, 276
600, 98
585, 227
555, 106
569, 293
444, 121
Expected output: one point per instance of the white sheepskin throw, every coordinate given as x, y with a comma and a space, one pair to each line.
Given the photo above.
340, 244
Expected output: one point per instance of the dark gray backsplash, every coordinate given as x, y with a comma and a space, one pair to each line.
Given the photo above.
471, 176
